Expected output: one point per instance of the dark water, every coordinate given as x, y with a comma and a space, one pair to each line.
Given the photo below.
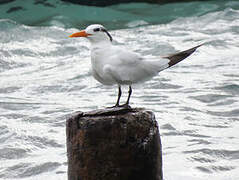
44, 77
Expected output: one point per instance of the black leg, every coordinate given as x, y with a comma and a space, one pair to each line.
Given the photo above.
130, 92
119, 95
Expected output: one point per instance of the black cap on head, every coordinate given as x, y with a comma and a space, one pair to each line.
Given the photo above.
108, 34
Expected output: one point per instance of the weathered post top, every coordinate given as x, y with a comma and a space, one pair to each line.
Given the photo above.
114, 144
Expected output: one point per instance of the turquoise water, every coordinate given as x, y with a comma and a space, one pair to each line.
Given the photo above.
45, 76
66, 15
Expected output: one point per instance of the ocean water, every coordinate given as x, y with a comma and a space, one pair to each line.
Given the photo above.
45, 77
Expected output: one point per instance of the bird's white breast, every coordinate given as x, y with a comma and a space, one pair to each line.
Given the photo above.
100, 58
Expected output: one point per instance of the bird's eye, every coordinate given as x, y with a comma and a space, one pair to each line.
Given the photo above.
96, 29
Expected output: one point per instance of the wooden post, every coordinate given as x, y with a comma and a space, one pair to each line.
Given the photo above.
114, 144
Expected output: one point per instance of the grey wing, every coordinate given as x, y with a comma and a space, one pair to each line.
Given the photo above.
177, 57
132, 68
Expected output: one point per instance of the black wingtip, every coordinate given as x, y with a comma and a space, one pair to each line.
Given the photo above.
176, 58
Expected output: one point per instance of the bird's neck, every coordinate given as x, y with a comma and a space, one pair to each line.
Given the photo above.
100, 45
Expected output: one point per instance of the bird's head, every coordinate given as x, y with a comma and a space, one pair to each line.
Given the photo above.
95, 33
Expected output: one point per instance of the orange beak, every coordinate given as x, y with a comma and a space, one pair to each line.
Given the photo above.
80, 34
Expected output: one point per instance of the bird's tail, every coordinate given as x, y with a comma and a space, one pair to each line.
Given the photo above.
177, 57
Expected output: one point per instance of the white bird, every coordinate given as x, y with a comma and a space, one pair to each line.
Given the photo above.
114, 65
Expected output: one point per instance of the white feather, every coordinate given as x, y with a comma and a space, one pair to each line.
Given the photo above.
114, 65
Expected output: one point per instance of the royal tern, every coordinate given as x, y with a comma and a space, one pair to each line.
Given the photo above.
114, 65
